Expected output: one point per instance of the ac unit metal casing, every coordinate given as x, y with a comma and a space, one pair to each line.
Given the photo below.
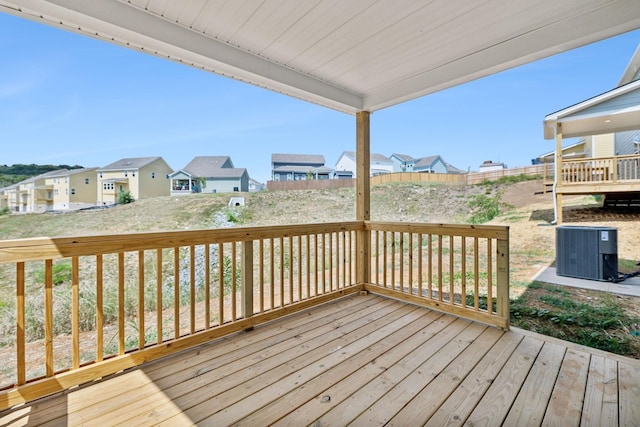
587, 252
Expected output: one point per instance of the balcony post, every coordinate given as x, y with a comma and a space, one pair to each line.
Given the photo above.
559, 178
247, 279
502, 303
363, 195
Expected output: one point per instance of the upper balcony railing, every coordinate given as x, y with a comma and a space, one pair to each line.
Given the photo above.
86, 307
610, 170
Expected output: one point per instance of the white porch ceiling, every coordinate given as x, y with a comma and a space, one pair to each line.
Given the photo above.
349, 55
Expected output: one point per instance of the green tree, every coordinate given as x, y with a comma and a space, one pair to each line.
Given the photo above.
124, 197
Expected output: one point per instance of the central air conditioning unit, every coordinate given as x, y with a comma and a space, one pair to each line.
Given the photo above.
587, 252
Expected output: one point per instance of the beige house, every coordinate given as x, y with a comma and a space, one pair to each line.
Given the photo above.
32, 194
61, 189
142, 176
71, 189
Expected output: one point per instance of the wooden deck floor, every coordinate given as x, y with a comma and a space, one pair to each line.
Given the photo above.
361, 360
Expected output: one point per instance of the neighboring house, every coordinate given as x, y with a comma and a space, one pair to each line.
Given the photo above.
430, 164
576, 151
143, 177
379, 164
490, 166
609, 124
209, 174
71, 189
32, 194
255, 185
297, 167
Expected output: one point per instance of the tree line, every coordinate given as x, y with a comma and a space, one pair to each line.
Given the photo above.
19, 172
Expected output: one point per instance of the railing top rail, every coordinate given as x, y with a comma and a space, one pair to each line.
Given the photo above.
40, 248
593, 159
486, 231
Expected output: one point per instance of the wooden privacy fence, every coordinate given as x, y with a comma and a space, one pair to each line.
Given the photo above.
87, 307
444, 178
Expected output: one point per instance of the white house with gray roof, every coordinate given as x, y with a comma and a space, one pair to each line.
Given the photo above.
142, 176
209, 174
379, 164
429, 164
299, 167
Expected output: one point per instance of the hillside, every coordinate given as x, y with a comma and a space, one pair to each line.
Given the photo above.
528, 214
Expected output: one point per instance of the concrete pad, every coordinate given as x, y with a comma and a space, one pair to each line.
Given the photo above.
630, 286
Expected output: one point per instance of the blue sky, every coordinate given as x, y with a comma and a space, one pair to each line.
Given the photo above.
69, 99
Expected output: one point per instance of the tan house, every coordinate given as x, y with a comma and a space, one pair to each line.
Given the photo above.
61, 189
71, 189
31, 195
142, 176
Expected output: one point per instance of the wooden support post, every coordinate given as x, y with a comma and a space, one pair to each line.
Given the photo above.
559, 177
502, 303
363, 195
247, 279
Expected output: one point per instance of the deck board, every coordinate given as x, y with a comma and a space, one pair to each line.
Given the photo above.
363, 360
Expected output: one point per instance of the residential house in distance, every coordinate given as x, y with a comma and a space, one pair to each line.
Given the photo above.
34, 194
299, 167
429, 164
142, 176
490, 166
255, 185
72, 189
379, 163
209, 174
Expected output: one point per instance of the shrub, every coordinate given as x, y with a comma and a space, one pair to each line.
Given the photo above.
484, 208
124, 197
5, 211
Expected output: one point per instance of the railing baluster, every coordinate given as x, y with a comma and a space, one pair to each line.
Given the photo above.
20, 325
75, 312
271, 274
401, 262
489, 277
291, 269
99, 309
308, 267
141, 308
420, 282
121, 313
207, 286
221, 284
282, 252
159, 303
439, 267
476, 274
385, 235
300, 252
176, 292
261, 275
463, 267
192, 289
451, 270
48, 316
324, 267
234, 290
410, 260
430, 265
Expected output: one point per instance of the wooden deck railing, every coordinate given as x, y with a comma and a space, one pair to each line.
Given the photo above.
601, 170
460, 269
87, 307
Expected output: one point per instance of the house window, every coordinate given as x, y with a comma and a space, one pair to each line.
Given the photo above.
66, 191
100, 174
73, 191
133, 173
236, 189
55, 192
107, 186
153, 175
126, 174
86, 180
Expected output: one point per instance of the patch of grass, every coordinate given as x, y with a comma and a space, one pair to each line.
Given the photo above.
596, 319
511, 179
484, 207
